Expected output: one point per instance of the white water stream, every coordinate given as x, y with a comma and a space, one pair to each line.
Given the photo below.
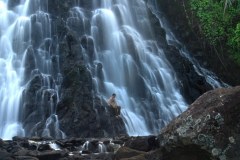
134, 67
18, 25
13, 35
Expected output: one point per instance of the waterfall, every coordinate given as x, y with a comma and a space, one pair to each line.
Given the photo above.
114, 40
133, 67
14, 28
25, 54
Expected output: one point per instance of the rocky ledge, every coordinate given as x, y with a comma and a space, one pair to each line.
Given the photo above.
208, 130
75, 148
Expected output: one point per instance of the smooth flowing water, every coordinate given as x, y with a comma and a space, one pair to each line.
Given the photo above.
125, 60
13, 32
133, 67
24, 53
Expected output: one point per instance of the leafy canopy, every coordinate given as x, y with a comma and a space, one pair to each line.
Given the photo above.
220, 23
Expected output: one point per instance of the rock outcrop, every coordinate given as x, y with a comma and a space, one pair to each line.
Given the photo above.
59, 93
78, 106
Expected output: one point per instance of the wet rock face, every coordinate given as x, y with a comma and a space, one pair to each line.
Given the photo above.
77, 106
111, 126
177, 13
80, 112
73, 100
37, 102
191, 84
30, 64
30, 113
211, 124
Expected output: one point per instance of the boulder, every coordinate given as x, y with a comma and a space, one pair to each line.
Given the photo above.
128, 153
25, 158
143, 143
5, 155
49, 155
111, 125
44, 147
209, 129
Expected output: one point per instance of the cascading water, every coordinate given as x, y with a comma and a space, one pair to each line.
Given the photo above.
118, 47
25, 53
12, 25
210, 77
133, 67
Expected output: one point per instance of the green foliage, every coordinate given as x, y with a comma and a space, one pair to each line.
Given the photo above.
234, 42
211, 22
217, 22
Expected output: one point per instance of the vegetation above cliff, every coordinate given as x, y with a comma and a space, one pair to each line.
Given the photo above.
219, 22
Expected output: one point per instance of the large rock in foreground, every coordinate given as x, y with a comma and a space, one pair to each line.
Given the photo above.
210, 128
